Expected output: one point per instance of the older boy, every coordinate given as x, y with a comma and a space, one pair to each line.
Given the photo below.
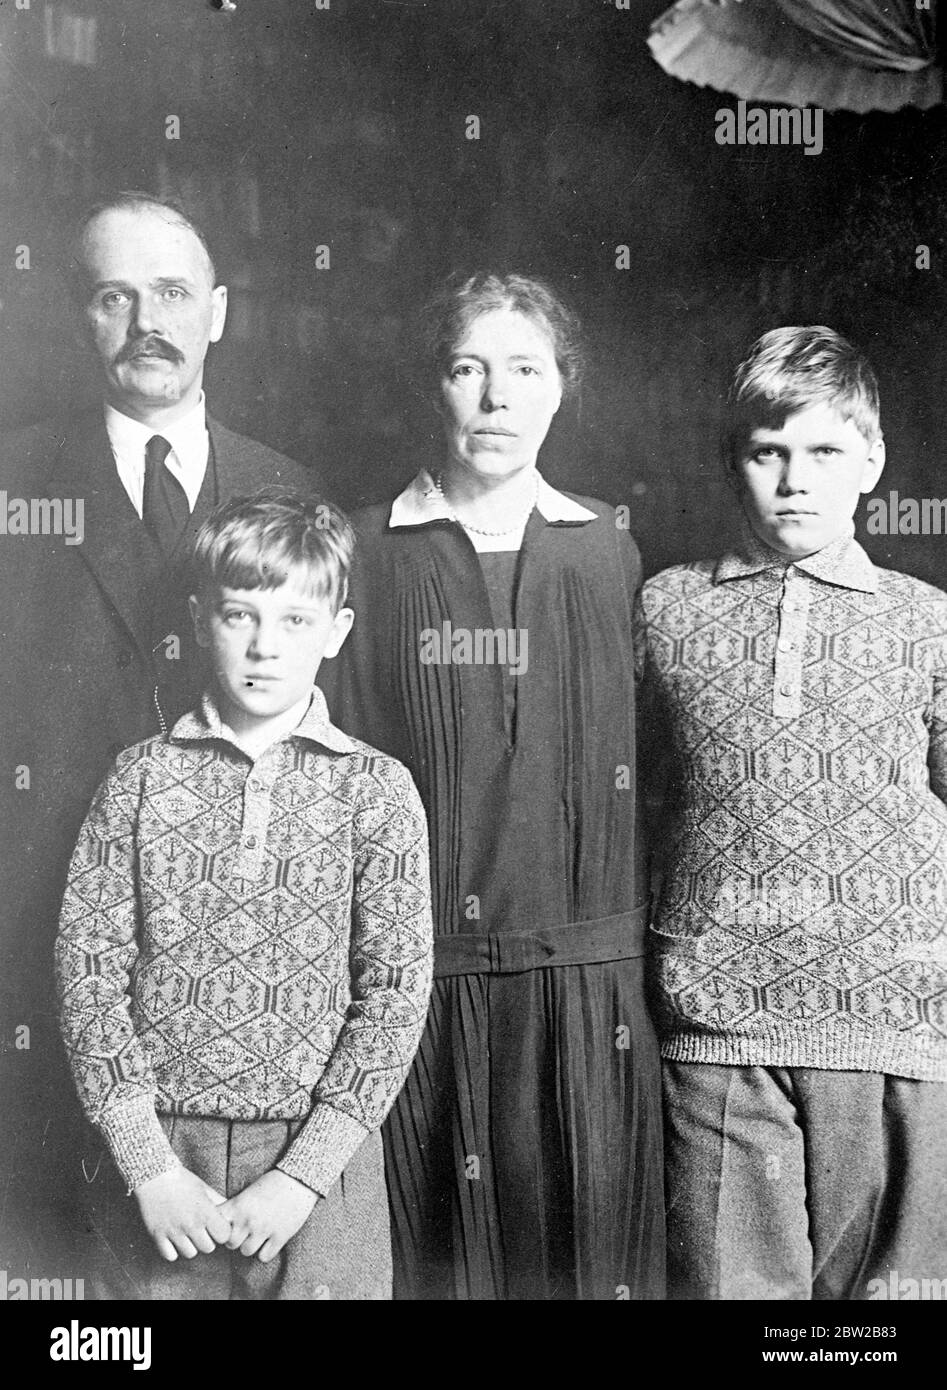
800, 942
244, 956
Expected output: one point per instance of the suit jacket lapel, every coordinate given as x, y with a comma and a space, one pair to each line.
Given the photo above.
244, 466
238, 462
124, 559
116, 547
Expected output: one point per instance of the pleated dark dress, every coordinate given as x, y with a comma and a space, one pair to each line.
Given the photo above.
524, 1154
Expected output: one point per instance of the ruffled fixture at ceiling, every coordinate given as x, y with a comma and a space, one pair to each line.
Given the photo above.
848, 55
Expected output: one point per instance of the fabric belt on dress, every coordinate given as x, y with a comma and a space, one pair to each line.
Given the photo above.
621, 937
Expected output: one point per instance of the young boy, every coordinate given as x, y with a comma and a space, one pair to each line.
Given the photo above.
799, 946
244, 956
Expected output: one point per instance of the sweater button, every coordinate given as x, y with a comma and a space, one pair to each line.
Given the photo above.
785, 690
250, 842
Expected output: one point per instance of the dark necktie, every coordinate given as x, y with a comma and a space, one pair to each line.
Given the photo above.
164, 510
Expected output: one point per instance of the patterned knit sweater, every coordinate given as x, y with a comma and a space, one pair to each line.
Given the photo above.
246, 940
803, 915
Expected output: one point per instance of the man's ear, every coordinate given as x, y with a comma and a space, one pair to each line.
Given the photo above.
873, 466
341, 627
218, 297
197, 618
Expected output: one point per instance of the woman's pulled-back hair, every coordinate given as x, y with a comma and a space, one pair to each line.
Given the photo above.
447, 317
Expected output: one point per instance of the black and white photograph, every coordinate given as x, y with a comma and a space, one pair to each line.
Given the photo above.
473, 697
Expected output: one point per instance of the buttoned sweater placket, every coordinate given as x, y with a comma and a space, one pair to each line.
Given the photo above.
257, 794
794, 600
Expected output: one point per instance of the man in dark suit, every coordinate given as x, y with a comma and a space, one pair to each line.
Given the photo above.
98, 650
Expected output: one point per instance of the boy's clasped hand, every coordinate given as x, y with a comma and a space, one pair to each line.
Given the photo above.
185, 1216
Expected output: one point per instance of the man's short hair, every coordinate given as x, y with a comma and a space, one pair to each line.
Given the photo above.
790, 369
129, 200
260, 541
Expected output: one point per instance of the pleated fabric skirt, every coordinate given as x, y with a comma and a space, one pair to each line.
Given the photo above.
524, 1155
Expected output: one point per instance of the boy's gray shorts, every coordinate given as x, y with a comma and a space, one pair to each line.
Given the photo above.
343, 1251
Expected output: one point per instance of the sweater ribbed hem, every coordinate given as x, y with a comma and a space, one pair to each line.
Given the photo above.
137, 1142
322, 1148
839, 1044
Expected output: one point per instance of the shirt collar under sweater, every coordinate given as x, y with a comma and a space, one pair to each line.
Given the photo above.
421, 502
842, 562
315, 725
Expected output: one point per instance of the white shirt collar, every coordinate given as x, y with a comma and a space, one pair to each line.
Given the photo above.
187, 460
421, 502
315, 725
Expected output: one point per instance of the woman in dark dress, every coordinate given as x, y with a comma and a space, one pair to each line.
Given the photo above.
492, 654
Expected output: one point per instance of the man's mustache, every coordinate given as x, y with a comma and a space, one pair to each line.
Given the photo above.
154, 347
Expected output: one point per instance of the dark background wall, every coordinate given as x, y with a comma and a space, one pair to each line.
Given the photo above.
346, 127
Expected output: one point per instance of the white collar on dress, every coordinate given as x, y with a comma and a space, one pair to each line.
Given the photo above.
421, 502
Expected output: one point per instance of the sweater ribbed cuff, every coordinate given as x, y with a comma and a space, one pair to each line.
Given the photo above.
322, 1148
137, 1142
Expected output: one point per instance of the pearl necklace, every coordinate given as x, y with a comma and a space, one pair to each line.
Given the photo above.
438, 491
